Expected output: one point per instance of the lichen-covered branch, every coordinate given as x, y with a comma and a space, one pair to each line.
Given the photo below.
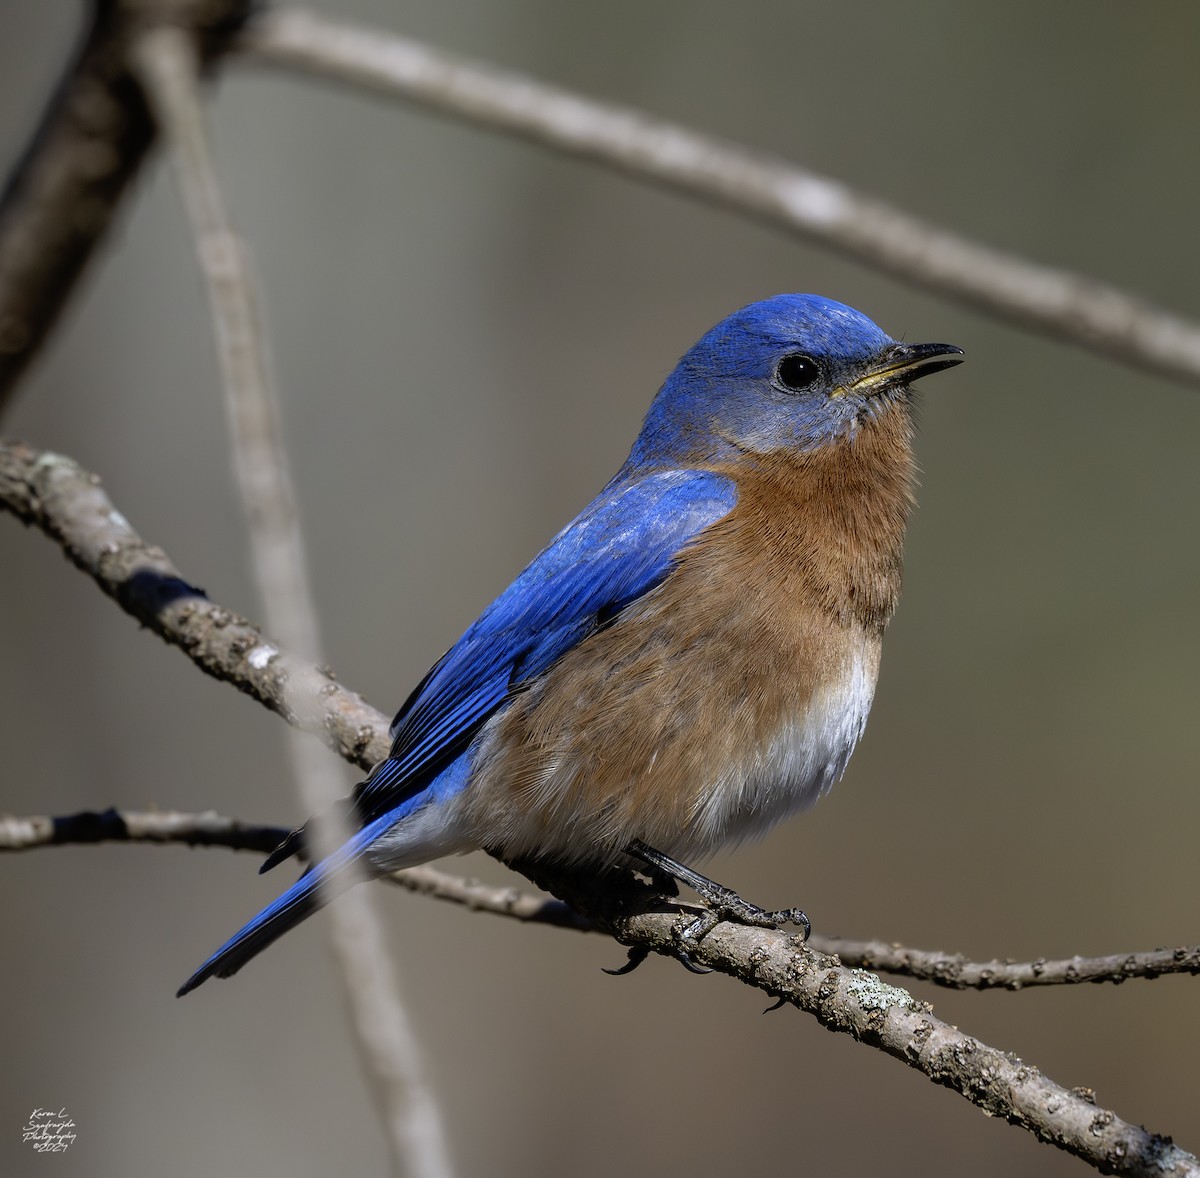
64, 191
857, 1003
1057, 302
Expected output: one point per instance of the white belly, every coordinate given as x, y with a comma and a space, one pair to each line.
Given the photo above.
808, 753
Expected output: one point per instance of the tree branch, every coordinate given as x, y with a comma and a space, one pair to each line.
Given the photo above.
951, 970
211, 829
61, 198
56, 495
65, 190
53, 493
166, 62
1059, 303
956, 972
855, 1002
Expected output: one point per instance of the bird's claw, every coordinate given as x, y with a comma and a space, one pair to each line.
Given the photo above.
688, 964
783, 916
636, 955
687, 933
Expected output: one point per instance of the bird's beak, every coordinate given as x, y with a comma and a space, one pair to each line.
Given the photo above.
904, 363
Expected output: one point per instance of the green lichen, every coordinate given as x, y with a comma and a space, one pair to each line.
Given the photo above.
871, 994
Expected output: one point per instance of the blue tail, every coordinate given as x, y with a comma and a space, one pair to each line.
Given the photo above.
311, 891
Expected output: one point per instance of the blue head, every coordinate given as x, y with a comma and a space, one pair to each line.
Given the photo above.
794, 372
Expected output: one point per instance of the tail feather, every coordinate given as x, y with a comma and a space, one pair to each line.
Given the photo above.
313, 890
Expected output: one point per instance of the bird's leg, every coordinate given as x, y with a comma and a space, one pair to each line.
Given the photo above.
662, 882
722, 903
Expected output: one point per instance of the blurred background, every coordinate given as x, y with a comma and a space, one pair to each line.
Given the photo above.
467, 332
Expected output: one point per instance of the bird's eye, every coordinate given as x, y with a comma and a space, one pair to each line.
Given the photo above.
796, 372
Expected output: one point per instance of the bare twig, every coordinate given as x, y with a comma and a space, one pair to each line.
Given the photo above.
65, 502
61, 197
524, 907
959, 973
952, 970
1059, 303
211, 829
167, 64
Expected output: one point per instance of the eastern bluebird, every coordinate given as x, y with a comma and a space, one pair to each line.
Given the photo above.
693, 657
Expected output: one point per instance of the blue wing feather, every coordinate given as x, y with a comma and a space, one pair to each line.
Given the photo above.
621, 546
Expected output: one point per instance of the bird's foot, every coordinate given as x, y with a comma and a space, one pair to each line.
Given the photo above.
725, 904
721, 903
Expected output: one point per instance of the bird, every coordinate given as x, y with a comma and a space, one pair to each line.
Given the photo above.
691, 659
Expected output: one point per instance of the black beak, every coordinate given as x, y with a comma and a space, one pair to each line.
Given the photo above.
915, 360
901, 364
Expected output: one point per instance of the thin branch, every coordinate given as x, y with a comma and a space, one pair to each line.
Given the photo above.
62, 196
524, 907
1056, 302
52, 492
60, 200
167, 64
951, 970
65, 190
956, 972
211, 829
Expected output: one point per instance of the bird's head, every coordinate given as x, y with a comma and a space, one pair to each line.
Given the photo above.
793, 372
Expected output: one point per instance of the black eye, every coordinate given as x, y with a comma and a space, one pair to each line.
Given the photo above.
796, 372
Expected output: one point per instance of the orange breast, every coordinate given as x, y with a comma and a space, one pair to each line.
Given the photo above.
731, 694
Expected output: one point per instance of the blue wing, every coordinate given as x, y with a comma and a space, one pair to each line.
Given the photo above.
622, 545
619, 548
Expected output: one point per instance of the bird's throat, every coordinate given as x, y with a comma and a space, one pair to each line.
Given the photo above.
826, 528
